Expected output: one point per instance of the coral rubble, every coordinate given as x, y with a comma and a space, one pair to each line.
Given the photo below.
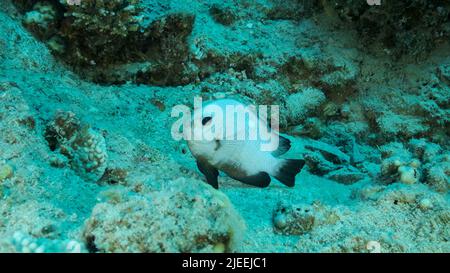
363, 93
163, 221
84, 147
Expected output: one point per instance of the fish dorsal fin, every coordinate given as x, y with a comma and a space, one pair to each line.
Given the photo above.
283, 146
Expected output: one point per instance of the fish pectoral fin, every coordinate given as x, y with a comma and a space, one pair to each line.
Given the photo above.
283, 146
261, 179
210, 173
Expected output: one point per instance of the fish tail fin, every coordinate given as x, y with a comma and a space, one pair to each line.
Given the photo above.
288, 170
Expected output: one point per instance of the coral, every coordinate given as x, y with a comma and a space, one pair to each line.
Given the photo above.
311, 127
424, 150
38, 219
409, 174
222, 15
425, 204
114, 42
346, 175
410, 27
162, 221
329, 161
331, 109
420, 161
338, 73
56, 45
333, 73
398, 218
437, 173
305, 102
300, 219
6, 171
263, 52
169, 51
42, 19
417, 111
25, 243
392, 125
398, 164
434, 104
411, 196
289, 9
114, 176
24, 5
337, 156
443, 72
317, 164
270, 92
84, 147
100, 31
435, 163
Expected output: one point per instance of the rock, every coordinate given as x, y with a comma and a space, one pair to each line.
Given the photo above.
222, 15
346, 176
303, 103
162, 221
317, 164
84, 147
299, 219
6, 171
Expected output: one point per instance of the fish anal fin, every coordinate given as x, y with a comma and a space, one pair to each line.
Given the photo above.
210, 172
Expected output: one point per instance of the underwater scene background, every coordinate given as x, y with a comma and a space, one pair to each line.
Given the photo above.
88, 162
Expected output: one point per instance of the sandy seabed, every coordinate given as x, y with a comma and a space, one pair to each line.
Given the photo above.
89, 165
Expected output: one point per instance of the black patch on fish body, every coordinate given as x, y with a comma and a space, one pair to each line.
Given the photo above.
260, 180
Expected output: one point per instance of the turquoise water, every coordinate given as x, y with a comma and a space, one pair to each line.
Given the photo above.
88, 158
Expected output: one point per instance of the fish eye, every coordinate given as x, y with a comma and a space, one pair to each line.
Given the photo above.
205, 120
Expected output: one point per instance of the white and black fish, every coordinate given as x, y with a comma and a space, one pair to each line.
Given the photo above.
241, 159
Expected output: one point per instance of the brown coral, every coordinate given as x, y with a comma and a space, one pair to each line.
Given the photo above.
84, 147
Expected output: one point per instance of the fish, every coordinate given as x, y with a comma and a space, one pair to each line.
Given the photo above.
252, 161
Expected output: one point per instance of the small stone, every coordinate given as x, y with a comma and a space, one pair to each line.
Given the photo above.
219, 248
408, 175
6, 171
280, 221
299, 219
415, 163
425, 204
98, 150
